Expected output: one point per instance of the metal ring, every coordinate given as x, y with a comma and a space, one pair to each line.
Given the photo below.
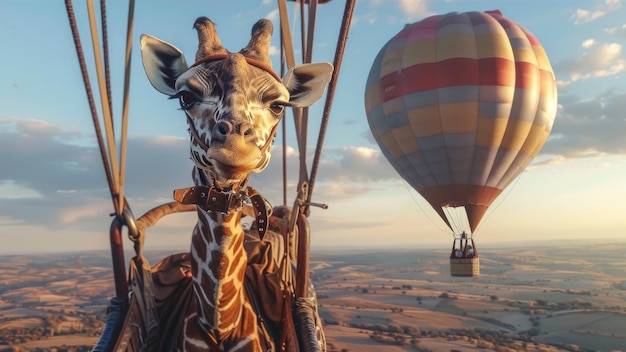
129, 221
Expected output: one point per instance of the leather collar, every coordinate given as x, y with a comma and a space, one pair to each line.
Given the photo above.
211, 199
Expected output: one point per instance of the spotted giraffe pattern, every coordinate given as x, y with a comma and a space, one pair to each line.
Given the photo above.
221, 313
232, 106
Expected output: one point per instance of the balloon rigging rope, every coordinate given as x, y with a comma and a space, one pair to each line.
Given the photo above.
454, 216
90, 99
422, 209
506, 195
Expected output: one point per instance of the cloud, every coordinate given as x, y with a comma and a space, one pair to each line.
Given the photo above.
618, 32
414, 8
582, 16
344, 173
411, 10
9, 190
51, 178
274, 51
588, 43
273, 15
589, 127
603, 8
57, 174
597, 60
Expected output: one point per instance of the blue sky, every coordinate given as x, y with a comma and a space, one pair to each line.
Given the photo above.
53, 193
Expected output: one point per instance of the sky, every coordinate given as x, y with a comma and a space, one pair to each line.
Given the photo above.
53, 191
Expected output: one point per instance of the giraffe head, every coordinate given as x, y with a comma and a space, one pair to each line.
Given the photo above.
233, 101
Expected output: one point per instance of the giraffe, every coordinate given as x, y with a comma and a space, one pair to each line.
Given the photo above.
233, 103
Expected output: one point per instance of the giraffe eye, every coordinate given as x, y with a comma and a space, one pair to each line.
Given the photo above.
277, 109
187, 100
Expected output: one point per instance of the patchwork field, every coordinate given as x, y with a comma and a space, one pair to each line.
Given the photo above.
526, 299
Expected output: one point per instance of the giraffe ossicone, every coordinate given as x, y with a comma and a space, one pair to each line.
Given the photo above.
233, 102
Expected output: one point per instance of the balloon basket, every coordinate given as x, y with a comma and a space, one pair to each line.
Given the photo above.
465, 267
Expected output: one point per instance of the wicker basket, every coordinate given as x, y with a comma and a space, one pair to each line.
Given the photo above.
465, 267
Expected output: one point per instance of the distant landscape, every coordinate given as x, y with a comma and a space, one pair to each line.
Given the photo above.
542, 298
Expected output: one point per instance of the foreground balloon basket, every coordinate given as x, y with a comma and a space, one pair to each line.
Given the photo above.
465, 267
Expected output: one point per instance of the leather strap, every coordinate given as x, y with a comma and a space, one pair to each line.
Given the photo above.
211, 199
262, 210
256, 63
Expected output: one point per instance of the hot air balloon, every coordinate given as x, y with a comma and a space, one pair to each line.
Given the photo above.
460, 104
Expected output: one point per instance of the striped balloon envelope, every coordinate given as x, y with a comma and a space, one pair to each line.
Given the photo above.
460, 104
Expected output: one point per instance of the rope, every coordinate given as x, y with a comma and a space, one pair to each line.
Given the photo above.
302, 30
105, 50
341, 44
310, 31
104, 98
286, 33
502, 199
304, 122
298, 116
125, 103
284, 125
89, 92
410, 191
108, 153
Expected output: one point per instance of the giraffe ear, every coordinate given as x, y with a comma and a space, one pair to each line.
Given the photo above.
306, 83
163, 63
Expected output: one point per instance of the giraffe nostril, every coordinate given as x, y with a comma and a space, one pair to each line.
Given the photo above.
223, 128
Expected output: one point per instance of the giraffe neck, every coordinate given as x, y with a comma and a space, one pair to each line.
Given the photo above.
218, 268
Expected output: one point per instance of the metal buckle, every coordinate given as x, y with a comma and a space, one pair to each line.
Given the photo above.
232, 200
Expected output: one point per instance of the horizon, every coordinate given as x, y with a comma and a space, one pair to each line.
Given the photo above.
321, 249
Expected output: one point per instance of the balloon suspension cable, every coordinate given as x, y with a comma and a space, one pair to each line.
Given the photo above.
457, 216
284, 125
285, 32
125, 102
90, 99
104, 99
341, 45
437, 224
308, 53
451, 216
105, 52
501, 200
301, 115
108, 153
289, 56
302, 28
